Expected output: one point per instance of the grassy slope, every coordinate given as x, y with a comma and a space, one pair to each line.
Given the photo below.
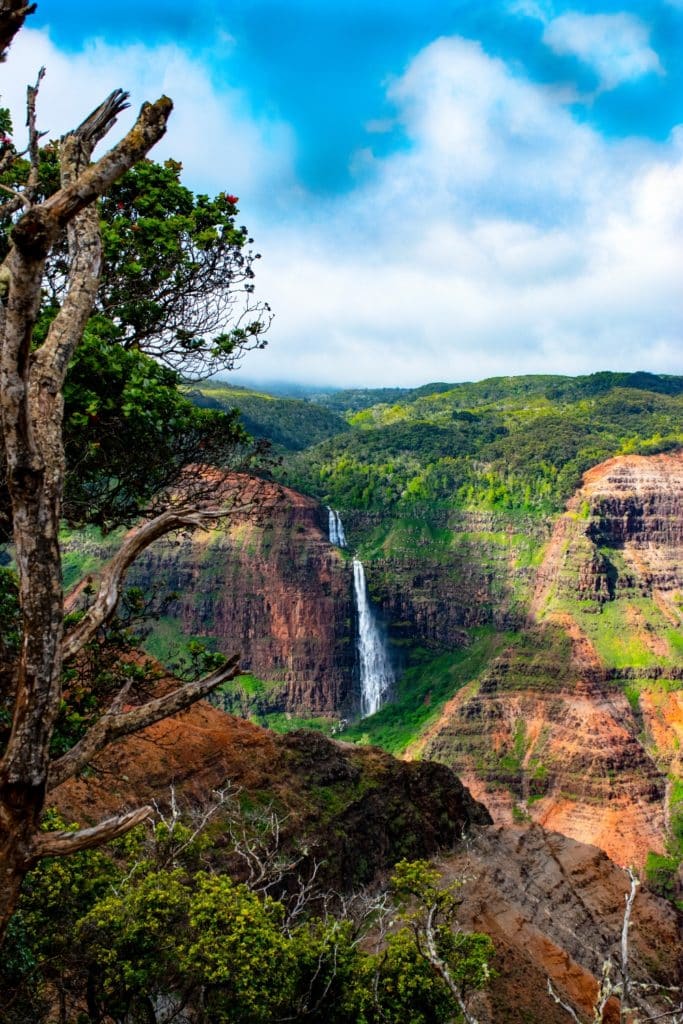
422, 691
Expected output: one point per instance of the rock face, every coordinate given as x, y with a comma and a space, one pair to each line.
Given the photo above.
578, 722
554, 908
626, 524
438, 577
273, 588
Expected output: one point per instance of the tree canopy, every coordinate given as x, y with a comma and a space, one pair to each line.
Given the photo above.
174, 302
97, 290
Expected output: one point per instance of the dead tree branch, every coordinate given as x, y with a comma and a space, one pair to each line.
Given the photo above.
60, 844
34, 137
431, 953
625, 973
114, 724
565, 1006
31, 410
13, 14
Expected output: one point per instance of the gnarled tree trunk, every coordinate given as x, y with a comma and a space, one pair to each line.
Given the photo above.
31, 416
31, 406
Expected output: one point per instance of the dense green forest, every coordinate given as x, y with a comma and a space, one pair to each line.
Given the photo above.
512, 444
289, 424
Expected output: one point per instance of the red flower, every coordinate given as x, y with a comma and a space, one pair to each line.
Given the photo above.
232, 199
119, 206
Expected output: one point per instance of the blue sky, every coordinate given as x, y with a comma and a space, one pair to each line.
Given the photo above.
439, 190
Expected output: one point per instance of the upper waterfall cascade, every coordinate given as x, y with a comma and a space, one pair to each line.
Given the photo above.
376, 673
336, 529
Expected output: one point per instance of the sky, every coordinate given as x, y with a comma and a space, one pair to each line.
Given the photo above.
444, 190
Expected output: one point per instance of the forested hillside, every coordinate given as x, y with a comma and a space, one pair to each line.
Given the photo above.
502, 444
290, 424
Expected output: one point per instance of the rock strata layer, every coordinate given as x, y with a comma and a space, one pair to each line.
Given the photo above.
577, 724
273, 588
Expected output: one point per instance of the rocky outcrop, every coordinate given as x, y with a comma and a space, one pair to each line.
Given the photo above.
536, 738
554, 908
359, 809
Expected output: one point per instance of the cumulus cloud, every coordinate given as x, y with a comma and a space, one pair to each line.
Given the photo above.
616, 46
502, 237
507, 238
212, 130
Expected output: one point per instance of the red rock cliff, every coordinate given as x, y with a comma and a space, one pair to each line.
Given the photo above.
577, 724
273, 588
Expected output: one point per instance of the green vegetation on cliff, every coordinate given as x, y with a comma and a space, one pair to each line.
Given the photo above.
422, 690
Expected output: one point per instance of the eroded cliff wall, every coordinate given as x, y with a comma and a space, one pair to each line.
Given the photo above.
272, 587
578, 723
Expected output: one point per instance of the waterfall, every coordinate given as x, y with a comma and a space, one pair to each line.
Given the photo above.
376, 673
336, 529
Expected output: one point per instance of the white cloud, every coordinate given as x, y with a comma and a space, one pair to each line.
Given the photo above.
219, 141
542, 10
504, 237
616, 46
509, 238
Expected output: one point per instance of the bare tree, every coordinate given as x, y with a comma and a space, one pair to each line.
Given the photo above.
636, 1004
31, 408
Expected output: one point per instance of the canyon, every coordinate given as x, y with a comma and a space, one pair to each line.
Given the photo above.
521, 655
575, 722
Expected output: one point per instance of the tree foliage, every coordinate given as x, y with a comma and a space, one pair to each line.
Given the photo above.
178, 273
53, 294
516, 445
176, 287
133, 932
